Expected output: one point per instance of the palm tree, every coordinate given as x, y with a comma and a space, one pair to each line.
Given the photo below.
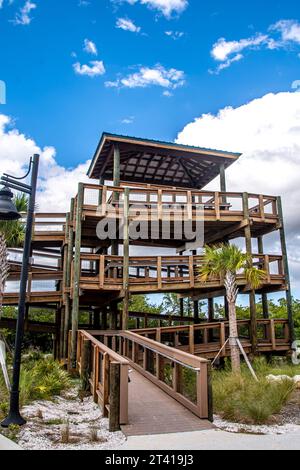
226, 262
12, 236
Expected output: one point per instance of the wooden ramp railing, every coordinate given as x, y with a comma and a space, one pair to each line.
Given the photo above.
106, 373
207, 339
184, 377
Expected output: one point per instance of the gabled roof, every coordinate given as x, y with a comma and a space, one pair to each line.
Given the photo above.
160, 163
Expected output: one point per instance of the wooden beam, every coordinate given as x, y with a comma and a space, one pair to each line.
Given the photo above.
76, 274
248, 239
223, 186
220, 235
264, 296
126, 261
289, 298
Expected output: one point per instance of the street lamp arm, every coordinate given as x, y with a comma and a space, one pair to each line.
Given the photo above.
16, 185
23, 177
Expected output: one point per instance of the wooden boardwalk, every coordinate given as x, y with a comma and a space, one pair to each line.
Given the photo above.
152, 411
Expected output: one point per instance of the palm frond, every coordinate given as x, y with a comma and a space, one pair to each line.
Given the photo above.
255, 276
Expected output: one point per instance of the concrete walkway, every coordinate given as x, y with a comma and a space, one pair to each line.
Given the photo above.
6, 444
213, 440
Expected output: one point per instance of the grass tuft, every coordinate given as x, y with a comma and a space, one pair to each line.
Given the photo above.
239, 398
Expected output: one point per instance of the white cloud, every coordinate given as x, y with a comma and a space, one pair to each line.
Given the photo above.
167, 94
57, 185
227, 64
23, 16
128, 120
222, 49
147, 77
228, 52
267, 131
90, 47
166, 7
289, 29
94, 69
127, 25
174, 34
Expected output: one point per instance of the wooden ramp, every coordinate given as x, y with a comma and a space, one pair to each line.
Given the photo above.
152, 411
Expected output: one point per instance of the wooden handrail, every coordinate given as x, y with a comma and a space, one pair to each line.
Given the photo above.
161, 272
217, 202
221, 332
138, 349
97, 359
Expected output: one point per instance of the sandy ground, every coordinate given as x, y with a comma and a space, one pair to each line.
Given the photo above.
50, 421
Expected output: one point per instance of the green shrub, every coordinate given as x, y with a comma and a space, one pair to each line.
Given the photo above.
239, 398
42, 380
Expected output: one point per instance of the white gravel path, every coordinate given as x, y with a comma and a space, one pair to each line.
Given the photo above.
47, 419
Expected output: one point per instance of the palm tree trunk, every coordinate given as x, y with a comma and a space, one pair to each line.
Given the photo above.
231, 294
235, 351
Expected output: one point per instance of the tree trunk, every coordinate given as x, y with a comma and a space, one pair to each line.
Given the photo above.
231, 293
235, 351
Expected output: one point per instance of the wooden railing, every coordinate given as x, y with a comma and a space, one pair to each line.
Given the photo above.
207, 339
216, 205
40, 259
184, 377
102, 367
160, 273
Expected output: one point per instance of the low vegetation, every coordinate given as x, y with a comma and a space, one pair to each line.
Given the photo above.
239, 398
41, 379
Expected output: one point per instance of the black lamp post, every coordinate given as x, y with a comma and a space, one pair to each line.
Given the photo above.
9, 212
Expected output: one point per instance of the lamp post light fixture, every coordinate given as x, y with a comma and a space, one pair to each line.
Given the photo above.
9, 212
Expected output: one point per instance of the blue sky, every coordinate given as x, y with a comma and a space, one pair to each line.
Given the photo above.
222, 74
58, 107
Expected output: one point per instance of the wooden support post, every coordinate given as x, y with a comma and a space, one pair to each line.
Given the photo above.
101, 183
211, 310
264, 296
85, 365
96, 318
77, 273
210, 393
289, 298
222, 178
57, 334
196, 311
116, 196
70, 249
114, 315
223, 186
126, 261
61, 334
191, 339
211, 317
117, 165
114, 397
248, 238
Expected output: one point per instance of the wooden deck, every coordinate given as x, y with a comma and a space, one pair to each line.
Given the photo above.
152, 411
168, 274
223, 214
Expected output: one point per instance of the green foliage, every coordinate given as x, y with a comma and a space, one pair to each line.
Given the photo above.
11, 433
239, 398
223, 258
42, 380
32, 340
14, 232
